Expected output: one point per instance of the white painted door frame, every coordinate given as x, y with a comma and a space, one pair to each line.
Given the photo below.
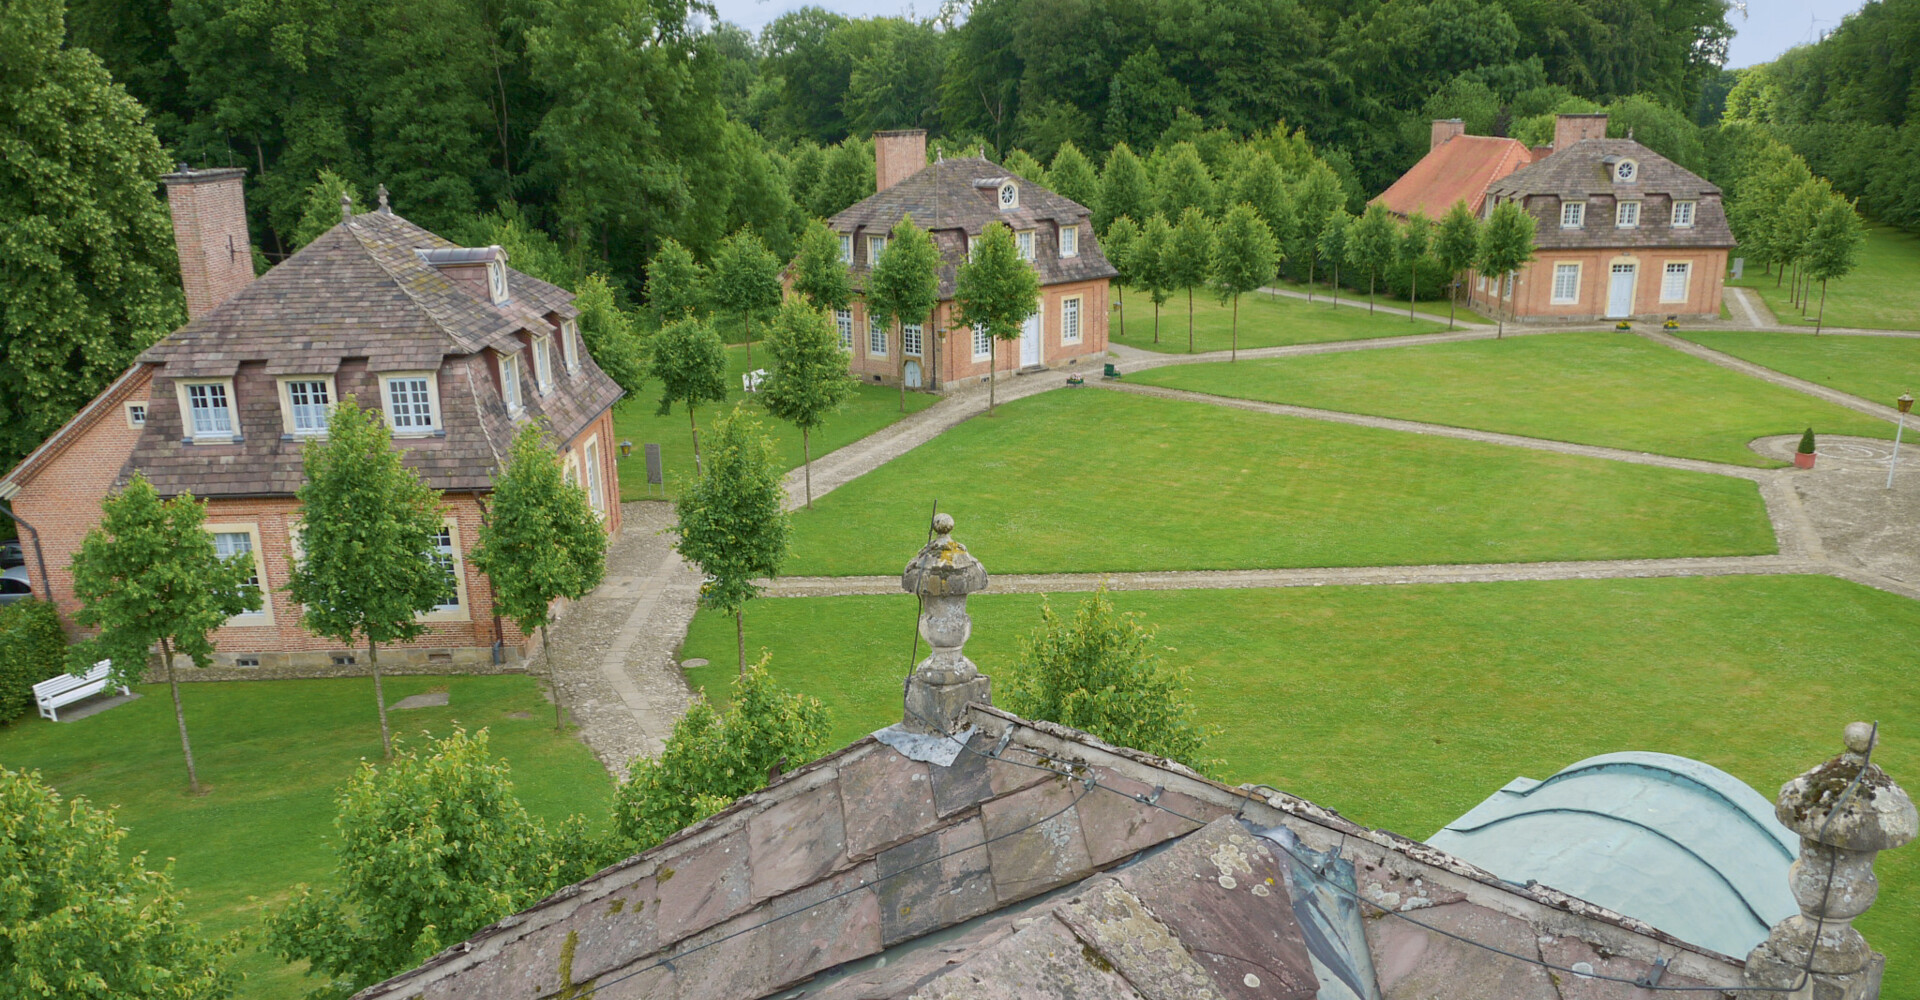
1621, 279
1030, 341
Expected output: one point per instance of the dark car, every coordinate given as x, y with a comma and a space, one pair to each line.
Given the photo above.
11, 555
14, 585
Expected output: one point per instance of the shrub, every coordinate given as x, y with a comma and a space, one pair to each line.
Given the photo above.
32, 649
1806, 442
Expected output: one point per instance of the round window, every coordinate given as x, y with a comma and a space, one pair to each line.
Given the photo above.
1009, 196
1625, 170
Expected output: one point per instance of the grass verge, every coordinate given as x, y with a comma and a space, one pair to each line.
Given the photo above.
1265, 321
1875, 368
1882, 293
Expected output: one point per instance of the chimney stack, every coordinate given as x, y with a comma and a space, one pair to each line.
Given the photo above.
897, 156
209, 210
1569, 129
942, 575
1444, 129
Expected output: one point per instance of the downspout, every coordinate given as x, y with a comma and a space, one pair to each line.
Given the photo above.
46, 582
499, 643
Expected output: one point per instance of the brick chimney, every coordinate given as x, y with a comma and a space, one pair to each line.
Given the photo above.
897, 156
1569, 129
1444, 129
210, 229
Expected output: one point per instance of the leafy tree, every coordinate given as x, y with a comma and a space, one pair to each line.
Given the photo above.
1457, 244
1244, 258
1143, 98
1184, 182
819, 273
149, 575
845, 178
1021, 164
1187, 258
809, 379
733, 521
904, 286
1071, 176
609, 333
1416, 243
1316, 198
1149, 262
430, 849
996, 290
690, 363
1118, 245
1124, 189
746, 280
1793, 228
1261, 185
1834, 248
676, 284
1099, 672
1335, 243
367, 567
713, 758
321, 209
33, 648
541, 541
1506, 244
87, 267
78, 920
1372, 245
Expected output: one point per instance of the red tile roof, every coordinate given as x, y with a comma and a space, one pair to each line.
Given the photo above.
1459, 169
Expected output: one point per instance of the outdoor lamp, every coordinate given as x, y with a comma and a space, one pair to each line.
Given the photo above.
1905, 402
626, 447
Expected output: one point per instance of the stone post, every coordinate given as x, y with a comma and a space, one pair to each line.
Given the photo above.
1833, 879
943, 574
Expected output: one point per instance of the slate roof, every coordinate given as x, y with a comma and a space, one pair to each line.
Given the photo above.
1581, 172
1459, 169
955, 199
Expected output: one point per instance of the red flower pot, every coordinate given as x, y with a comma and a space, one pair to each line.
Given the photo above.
1803, 460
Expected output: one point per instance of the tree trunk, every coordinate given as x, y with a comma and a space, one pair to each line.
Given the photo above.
1413, 283
1189, 319
1235, 354
553, 679
1335, 286
380, 699
1822, 315
1453, 298
1156, 321
746, 318
1123, 309
740, 636
806, 464
1310, 262
993, 369
180, 716
903, 366
698, 470
1369, 291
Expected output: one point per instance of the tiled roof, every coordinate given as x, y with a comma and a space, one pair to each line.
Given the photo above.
955, 199
1459, 169
1581, 172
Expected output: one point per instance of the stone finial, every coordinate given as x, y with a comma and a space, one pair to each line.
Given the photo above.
942, 575
381, 194
346, 207
1833, 879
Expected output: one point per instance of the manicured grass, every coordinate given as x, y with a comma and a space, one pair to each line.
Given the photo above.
1882, 293
1265, 321
1609, 389
870, 408
1431, 307
274, 754
1093, 481
1405, 706
1875, 368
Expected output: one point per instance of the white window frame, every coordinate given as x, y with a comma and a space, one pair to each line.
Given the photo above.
457, 612
288, 424
1506, 285
1626, 215
1078, 326
912, 340
251, 529
136, 411
570, 345
1008, 197
876, 245
1573, 214
1684, 220
590, 472
982, 343
543, 364
184, 389
507, 363
1632, 169
1685, 271
1069, 241
1023, 240
843, 318
434, 424
876, 339
570, 471
1562, 268
846, 247
497, 282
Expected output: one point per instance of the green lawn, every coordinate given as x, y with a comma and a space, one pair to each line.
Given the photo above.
1431, 307
1875, 368
870, 408
1883, 292
275, 753
1093, 481
1265, 321
1405, 706
1609, 389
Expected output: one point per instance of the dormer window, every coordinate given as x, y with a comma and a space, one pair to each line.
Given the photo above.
1683, 215
412, 401
1069, 241
846, 248
1573, 214
543, 364
306, 403
509, 380
1625, 172
1024, 240
497, 277
1009, 196
570, 345
876, 245
209, 409
1627, 216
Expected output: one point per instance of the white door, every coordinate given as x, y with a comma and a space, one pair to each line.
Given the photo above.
1620, 292
1030, 342
913, 374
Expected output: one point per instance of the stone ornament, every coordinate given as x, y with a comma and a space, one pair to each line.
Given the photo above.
942, 575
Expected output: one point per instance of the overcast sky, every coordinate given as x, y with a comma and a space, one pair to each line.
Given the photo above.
1770, 27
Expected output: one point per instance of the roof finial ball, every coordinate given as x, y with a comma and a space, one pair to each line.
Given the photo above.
1846, 812
942, 685
346, 207
385, 209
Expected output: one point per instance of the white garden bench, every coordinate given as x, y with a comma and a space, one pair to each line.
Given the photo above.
66, 689
750, 381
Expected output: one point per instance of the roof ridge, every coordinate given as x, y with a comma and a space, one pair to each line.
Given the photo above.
454, 339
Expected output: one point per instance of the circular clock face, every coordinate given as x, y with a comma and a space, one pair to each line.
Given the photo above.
1624, 171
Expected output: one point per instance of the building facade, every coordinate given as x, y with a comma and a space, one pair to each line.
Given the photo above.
456, 349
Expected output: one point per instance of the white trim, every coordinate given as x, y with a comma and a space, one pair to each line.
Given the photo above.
846, 247
1079, 319
1573, 214
590, 471
432, 402
1626, 172
497, 288
131, 405
507, 365
284, 390
980, 337
876, 334
1573, 296
1023, 241
843, 319
1069, 241
570, 345
1626, 215
1692, 210
251, 529
542, 364
1685, 271
912, 340
876, 245
183, 389
1008, 197
460, 610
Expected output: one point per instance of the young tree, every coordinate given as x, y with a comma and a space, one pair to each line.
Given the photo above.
904, 287
714, 758
1149, 260
1834, 249
1021, 163
1071, 176
1244, 258
78, 920
819, 274
430, 848
809, 378
690, 363
1457, 245
1118, 245
1334, 244
746, 280
1316, 198
996, 290
320, 210
1186, 260
1101, 673
609, 334
1124, 189
1372, 245
1262, 185
367, 568
149, 575
541, 541
1506, 244
676, 283
1184, 182
1415, 244
733, 520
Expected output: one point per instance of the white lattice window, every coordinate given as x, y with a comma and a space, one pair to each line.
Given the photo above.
1024, 240
1566, 283
1069, 241
876, 245
243, 541
308, 404
510, 380
1070, 320
982, 344
590, 462
137, 414
411, 403
444, 557
542, 365
1627, 215
210, 409
1683, 214
843, 318
876, 338
846, 248
1573, 215
570, 345
910, 340
1673, 283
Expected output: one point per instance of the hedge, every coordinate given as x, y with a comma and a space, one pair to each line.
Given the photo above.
32, 649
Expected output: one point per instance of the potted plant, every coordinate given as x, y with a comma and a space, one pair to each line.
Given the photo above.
1670, 324
1803, 456
1075, 381
1623, 326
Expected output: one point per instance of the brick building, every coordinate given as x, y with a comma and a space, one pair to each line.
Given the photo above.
457, 349
955, 200
1620, 232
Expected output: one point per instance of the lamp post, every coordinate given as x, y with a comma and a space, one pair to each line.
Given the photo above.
1905, 403
626, 449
